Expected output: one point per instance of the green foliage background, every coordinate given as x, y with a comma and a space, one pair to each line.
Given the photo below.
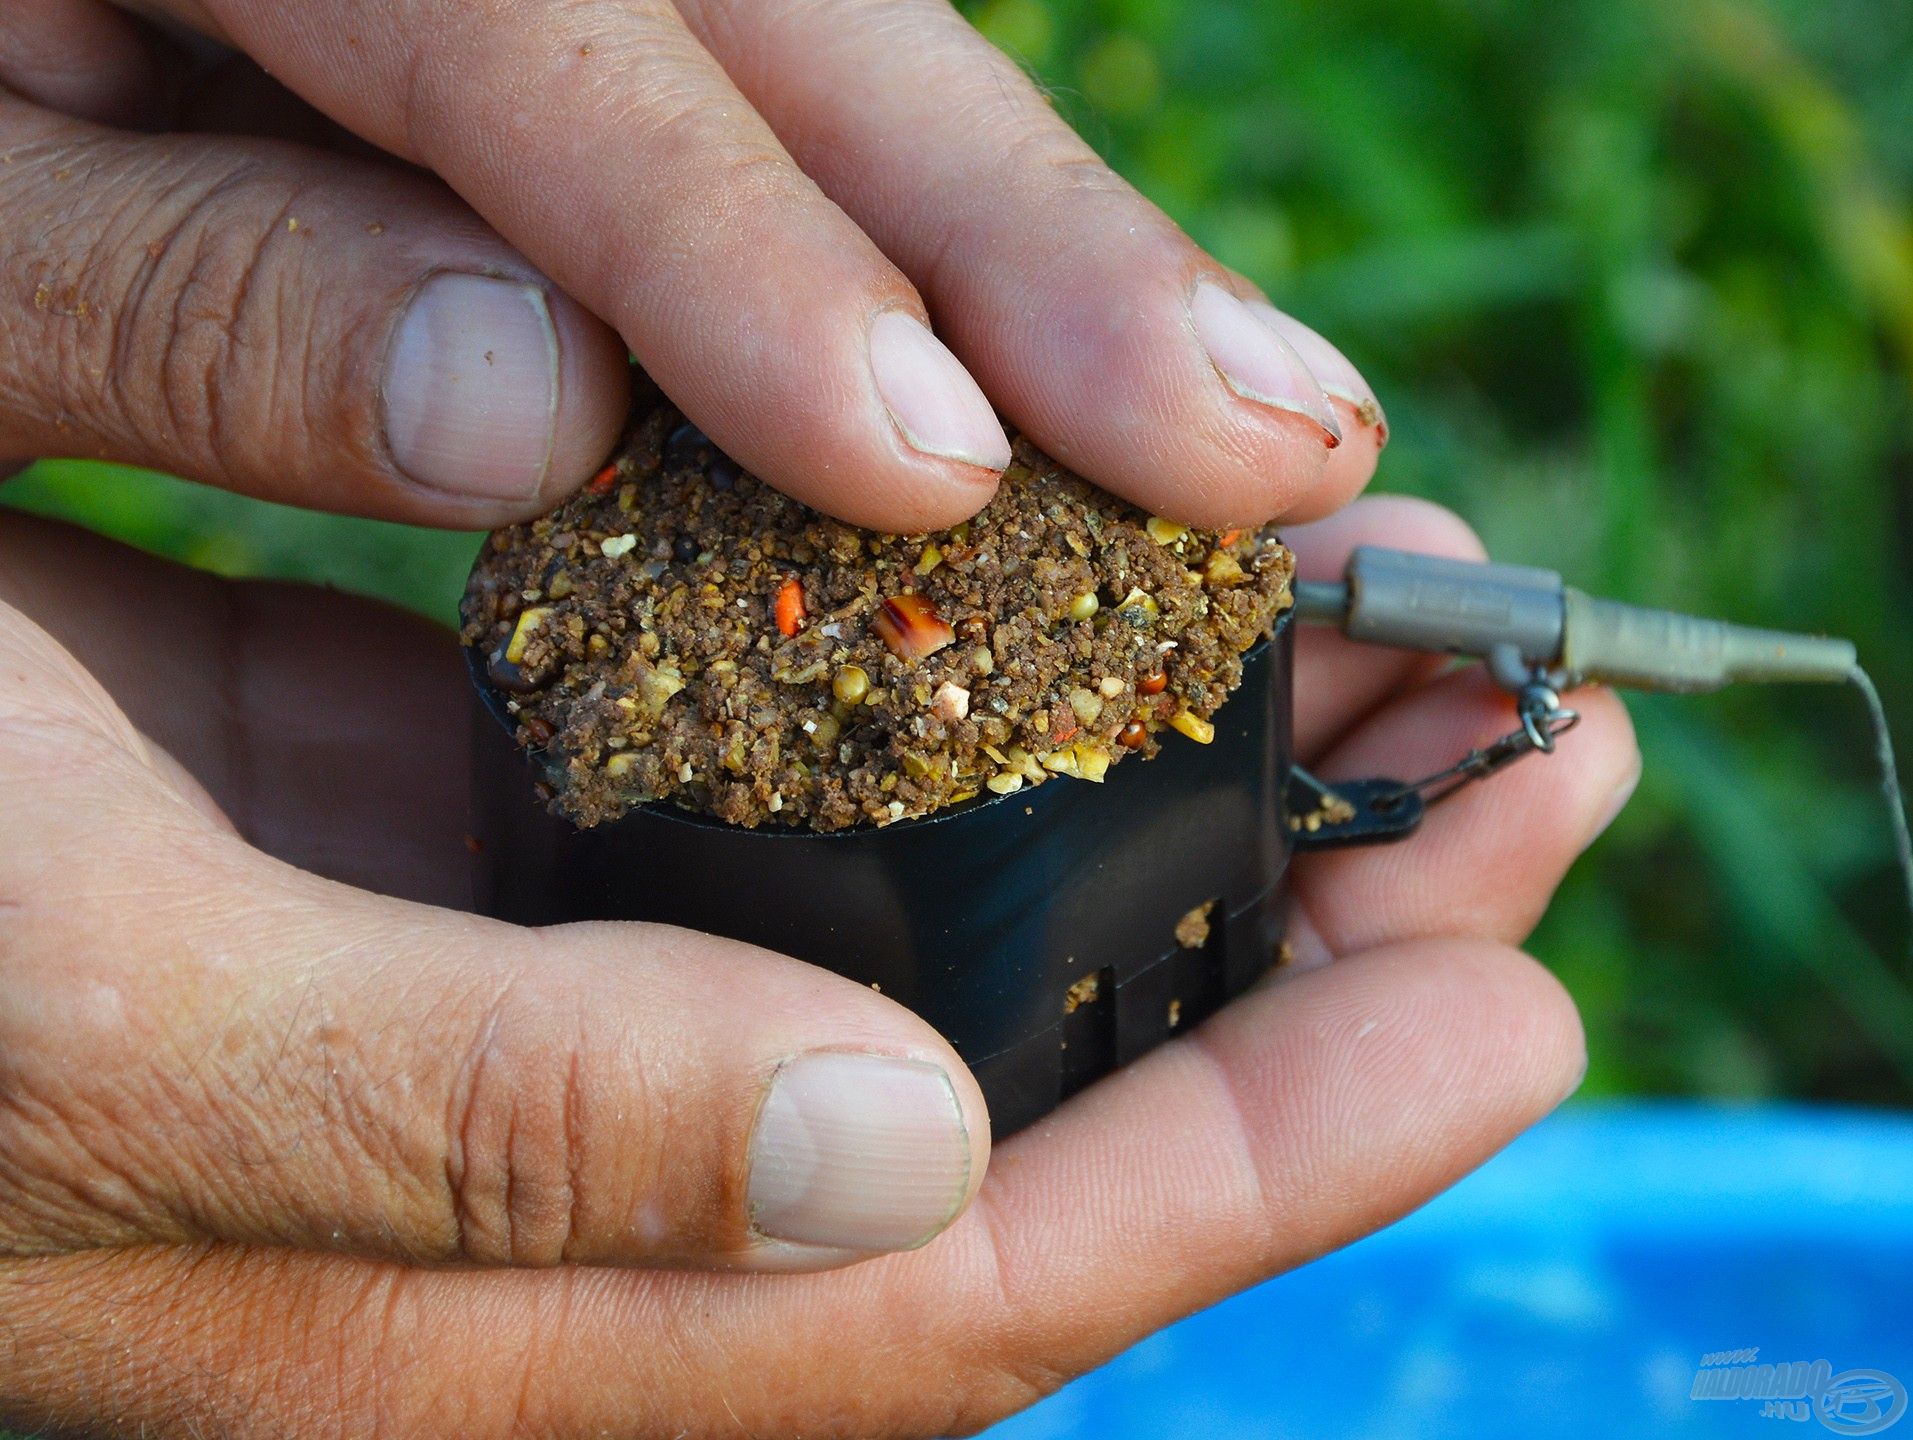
1635, 282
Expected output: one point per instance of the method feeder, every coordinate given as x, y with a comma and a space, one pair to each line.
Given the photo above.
1058, 933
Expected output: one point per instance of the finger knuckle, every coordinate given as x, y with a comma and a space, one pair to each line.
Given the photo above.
515, 1134
67, 1178
198, 340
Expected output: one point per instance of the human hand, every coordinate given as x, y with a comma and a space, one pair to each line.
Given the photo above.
280, 1155
765, 201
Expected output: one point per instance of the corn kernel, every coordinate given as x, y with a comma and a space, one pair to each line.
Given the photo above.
1164, 532
1196, 728
528, 623
1222, 569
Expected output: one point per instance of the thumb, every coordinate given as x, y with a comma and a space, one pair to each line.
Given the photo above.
197, 1042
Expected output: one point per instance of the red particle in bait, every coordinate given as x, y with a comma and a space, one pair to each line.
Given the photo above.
790, 609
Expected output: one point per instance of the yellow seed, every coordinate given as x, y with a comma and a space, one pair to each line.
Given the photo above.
656, 684
528, 623
1091, 763
1222, 569
1007, 783
598, 645
1196, 728
824, 733
929, 560
851, 684
1164, 532
1140, 602
560, 585
1087, 705
621, 764
1025, 764
1084, 606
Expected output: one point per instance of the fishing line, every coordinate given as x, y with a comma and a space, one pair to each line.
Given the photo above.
1889, 781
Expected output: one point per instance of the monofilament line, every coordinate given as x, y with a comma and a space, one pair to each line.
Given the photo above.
1889, 783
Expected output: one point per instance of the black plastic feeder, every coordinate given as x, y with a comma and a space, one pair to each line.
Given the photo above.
1038, 931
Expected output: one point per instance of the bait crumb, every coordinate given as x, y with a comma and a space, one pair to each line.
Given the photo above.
1332, 809
680, 631
1082, 993
1192, 931
1175, 1013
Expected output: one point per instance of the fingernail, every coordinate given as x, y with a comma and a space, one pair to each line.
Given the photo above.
1617, 802
1256, 361
858, 1152
931, 397
1341, 380
471, 387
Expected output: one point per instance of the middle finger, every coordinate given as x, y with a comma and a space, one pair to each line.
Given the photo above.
1090, 317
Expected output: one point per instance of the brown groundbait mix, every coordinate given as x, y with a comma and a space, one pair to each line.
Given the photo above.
681, 631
